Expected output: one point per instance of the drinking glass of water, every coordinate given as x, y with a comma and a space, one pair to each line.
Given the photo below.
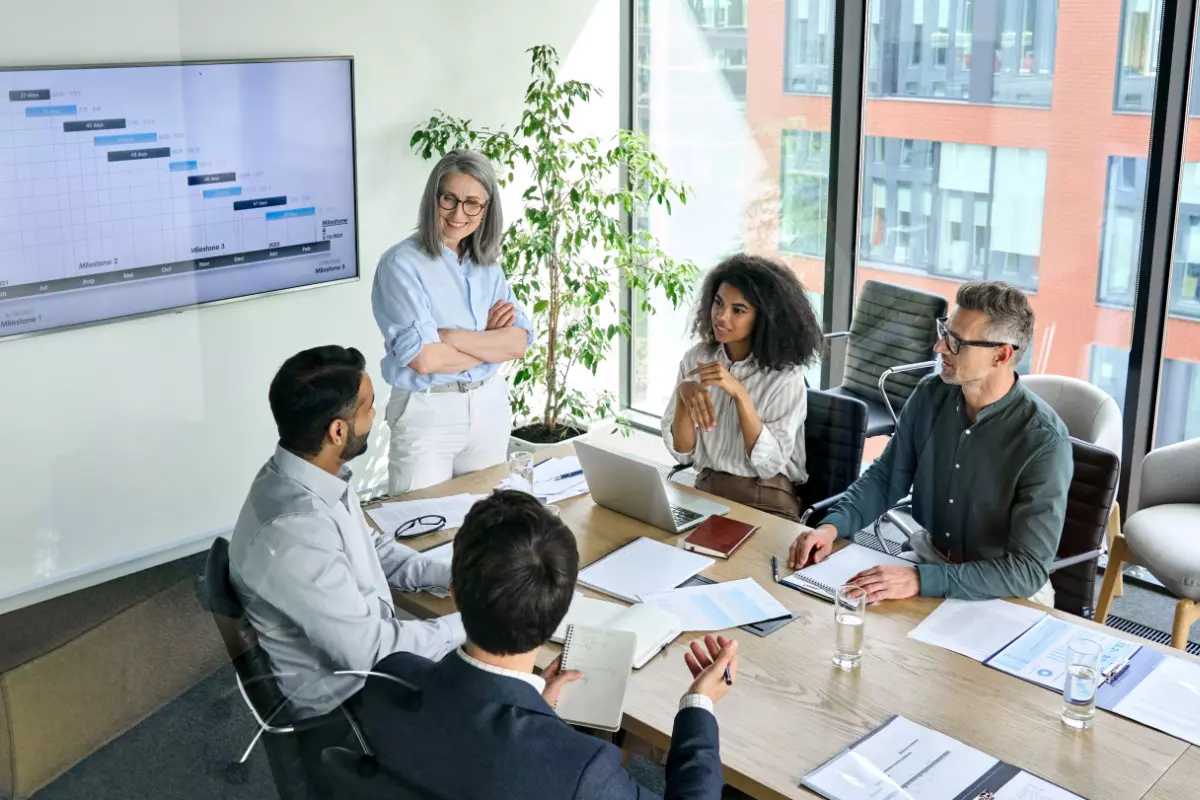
520, 471
849, 614
1079, 691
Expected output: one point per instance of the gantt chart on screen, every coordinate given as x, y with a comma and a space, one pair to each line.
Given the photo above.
126, 190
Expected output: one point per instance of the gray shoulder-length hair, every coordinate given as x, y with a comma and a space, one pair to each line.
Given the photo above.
483, 246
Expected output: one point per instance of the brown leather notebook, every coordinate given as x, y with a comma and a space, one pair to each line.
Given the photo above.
718, 537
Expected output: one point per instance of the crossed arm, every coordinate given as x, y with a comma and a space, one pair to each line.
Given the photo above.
461, 350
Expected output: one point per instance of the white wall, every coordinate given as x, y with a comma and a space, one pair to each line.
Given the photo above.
134, 442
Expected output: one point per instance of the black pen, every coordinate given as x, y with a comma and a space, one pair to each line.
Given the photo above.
775, 568
728, 677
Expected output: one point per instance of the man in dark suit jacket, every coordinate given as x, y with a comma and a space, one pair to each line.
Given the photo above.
480, 724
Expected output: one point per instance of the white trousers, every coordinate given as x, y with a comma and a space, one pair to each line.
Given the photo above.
923, 547
436, 437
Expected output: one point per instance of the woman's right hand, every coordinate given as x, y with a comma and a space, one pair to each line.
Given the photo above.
699, 405
501, 315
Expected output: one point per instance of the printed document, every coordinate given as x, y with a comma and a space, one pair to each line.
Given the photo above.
976, 629
717, 606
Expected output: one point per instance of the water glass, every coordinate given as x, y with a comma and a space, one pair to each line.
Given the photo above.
849, 615
520, 471
1083, 674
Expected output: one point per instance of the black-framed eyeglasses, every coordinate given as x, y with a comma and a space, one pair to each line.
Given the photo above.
419, 526
955, 343
471, 207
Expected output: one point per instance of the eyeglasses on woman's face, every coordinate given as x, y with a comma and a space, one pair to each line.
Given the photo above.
470, 206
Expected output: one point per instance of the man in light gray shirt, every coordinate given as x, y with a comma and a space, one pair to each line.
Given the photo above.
314, 578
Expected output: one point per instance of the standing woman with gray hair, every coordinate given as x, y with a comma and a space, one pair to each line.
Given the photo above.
449, 320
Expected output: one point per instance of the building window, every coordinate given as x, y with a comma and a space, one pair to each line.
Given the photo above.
961, 211
808, 70
1137, 60
924, 48
804, 193
1178, 417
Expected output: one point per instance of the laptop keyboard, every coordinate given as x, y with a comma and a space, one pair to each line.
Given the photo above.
683, 516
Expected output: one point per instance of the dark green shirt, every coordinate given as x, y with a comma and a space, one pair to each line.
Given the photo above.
993, 494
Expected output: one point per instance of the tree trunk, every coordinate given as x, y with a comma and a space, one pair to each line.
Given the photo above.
550, 415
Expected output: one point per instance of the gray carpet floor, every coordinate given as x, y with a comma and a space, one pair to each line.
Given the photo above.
181, 752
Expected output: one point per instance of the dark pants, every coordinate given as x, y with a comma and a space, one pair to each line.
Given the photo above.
305, 747
774, 495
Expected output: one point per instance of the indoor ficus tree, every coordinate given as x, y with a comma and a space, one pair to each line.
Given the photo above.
570, 251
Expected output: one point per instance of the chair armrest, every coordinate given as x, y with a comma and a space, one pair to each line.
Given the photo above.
1070, 561
887, 373
836, 335
678, 468
820, 507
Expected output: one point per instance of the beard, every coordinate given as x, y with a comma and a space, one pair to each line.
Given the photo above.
355, 445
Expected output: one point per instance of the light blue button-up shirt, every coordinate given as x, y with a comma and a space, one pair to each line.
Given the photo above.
415, 295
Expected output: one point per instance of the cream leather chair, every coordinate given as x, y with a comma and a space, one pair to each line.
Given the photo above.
1164, 534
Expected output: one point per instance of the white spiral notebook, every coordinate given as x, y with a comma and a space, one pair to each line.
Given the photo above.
654, 627
597, 700
824, 579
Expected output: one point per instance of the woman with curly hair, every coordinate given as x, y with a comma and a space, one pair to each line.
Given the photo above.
737, 413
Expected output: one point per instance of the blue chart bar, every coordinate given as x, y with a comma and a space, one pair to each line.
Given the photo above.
229, 191
49, 111
182, 166
126, 138
292, 212
258, 202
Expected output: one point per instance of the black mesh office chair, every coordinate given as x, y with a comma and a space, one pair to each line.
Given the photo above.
835, 430
891, 348
353, 776
1089, 499
258, 685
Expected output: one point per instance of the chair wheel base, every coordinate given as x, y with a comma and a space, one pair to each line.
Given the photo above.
237, 773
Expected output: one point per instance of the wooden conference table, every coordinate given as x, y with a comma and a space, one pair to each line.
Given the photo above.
792, 710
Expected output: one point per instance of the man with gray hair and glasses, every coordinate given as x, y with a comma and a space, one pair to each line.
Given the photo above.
988, 464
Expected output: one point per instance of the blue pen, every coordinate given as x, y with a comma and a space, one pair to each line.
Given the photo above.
728, 677
566, 475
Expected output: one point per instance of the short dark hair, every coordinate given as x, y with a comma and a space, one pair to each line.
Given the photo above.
1007, 307
786, 330
311, 390
514, 572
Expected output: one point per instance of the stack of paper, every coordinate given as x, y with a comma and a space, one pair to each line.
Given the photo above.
642, 567
392, 517
555, 479
717, 606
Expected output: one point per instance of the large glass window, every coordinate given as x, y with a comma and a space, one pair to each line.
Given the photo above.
1124, 199
733, 148
1178, 396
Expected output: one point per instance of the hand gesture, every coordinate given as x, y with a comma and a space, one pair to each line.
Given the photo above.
888, 583
556, 679
715, 374
699, 405
501, 315
812, 546
708, 669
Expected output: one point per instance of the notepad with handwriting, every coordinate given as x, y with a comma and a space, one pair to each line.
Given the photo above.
605, 657
654, 627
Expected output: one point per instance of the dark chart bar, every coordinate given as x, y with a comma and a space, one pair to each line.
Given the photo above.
93, 125
138, 155
216, 177
259, 202
25, 95
158, 270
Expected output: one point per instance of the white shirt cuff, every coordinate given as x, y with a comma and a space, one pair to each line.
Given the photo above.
696, 701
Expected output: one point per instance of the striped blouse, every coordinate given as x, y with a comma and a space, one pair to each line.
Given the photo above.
781, 402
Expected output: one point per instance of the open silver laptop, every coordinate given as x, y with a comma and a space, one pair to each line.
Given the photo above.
635, 488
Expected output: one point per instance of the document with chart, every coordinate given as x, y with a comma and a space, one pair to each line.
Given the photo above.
905, 761
126, 190
1040, 654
